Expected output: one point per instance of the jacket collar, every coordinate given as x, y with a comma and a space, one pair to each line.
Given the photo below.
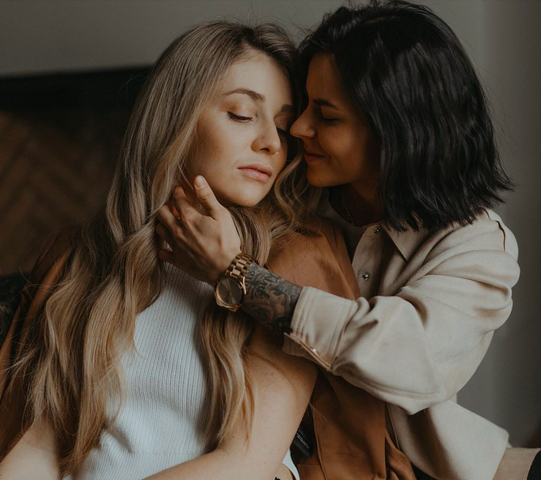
408, 241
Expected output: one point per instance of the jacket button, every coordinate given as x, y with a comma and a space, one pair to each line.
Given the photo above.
314, 351
377, 229
365, 276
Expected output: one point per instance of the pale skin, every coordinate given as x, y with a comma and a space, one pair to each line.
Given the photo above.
283, 392
34, 456
244, 128
283, 387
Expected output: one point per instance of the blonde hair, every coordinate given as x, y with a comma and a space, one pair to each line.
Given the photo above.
114, 271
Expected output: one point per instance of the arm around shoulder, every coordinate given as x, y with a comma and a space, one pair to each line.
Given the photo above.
419, 341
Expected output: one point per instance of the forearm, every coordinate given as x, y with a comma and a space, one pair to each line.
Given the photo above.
217, 465
282, 386
413, 349
270, 299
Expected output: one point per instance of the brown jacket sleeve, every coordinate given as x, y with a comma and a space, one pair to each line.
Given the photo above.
13, 391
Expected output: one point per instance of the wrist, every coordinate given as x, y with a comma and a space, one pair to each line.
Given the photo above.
270, 299
230, 287
223, 264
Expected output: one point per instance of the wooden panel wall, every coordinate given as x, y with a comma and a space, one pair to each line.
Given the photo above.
56, 166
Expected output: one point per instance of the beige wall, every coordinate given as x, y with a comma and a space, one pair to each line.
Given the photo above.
52, 35
503, 39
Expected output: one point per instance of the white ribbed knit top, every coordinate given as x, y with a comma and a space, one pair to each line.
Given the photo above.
161, 420
164, 407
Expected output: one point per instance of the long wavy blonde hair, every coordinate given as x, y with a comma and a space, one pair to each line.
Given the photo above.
114, 272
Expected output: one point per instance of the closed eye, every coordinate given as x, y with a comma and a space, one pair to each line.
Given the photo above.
322, 118
282, 132
239, 118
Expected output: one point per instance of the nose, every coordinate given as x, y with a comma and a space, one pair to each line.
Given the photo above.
268, 139
302, 127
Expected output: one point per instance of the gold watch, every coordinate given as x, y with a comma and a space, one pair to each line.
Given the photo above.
230, 288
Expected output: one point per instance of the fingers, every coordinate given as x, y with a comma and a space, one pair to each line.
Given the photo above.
206, 197
180, 200
203, 201
167, 218
164, 234
167, 256
174, 253
200, 232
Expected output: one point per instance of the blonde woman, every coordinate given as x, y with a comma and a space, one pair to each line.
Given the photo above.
108, 371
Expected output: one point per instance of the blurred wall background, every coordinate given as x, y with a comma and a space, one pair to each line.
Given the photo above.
502, 36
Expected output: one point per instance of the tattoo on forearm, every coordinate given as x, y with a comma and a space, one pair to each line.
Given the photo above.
270, 299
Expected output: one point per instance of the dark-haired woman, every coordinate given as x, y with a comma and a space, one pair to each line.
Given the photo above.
397, 130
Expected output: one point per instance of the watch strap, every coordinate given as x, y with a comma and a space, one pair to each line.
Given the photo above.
239, 266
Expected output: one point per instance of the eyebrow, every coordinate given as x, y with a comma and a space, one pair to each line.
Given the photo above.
257, 97
321, 102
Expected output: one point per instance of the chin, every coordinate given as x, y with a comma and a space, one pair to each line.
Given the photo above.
317, 181
324, 178
245, 201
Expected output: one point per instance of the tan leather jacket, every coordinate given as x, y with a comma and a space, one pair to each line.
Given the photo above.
349, 424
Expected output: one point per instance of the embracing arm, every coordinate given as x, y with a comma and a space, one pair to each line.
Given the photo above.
270, 299
415, 347
420, 344
204, 246
282, 390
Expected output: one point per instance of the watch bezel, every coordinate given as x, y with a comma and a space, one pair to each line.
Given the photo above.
222, 300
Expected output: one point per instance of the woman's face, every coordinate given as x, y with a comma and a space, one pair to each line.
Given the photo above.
339, 146
241, 137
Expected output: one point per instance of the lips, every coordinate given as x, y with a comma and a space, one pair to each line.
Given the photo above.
258, 171
308, 155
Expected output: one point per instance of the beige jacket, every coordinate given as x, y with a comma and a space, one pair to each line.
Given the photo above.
429, 305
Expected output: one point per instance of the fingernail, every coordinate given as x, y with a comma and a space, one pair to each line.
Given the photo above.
200, 182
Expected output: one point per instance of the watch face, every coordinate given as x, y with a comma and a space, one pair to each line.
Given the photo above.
229, 291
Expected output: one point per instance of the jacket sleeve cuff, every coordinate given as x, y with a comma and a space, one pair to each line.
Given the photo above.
317, 325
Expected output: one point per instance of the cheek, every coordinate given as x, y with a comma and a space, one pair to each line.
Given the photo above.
213, 139
279, 166
344, 150
211, 156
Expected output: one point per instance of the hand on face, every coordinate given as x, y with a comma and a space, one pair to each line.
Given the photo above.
240, 148
203, 239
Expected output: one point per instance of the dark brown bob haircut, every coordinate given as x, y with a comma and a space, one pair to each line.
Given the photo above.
408, 75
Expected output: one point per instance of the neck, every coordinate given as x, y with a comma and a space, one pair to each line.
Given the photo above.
357, 208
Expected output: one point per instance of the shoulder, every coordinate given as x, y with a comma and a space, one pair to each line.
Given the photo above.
509, 242
484, 250
487, 233
318, 260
